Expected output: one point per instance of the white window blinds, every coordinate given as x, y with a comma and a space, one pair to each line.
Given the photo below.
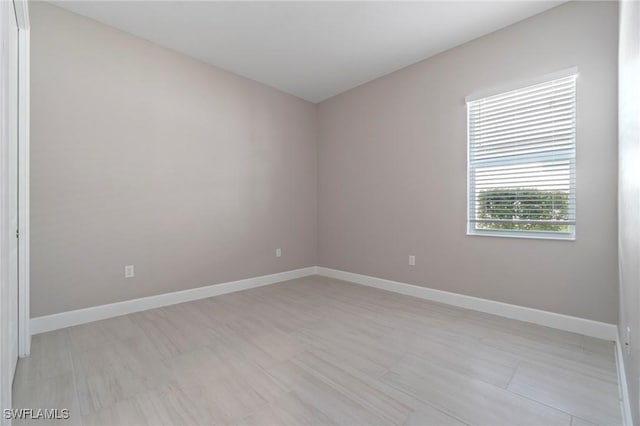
522, 148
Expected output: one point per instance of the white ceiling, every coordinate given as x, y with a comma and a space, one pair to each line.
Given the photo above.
313, 50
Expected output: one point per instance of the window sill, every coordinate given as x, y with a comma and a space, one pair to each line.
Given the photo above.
569, 236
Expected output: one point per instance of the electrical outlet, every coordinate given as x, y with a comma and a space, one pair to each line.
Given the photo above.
627, 341
412, 260
278, 252
128, 271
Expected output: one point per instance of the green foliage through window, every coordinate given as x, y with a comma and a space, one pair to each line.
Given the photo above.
522, 204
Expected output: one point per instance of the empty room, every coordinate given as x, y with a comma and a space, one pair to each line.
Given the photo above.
320, 213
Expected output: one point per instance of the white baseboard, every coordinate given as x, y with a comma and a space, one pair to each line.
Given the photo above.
550, 319
583, 326
622, 383
80, 316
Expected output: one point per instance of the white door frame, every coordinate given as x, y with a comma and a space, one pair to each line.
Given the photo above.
24, 54
13, 88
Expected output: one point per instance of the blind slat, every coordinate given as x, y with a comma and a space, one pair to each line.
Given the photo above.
549, 97
529, 123
525, 145
525, 92
553, 132
533, 108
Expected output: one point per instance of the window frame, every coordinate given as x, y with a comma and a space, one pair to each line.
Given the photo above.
570, 155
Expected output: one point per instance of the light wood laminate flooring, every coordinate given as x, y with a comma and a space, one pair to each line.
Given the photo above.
318, 351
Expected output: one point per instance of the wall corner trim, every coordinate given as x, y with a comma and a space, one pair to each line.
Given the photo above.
52, 322
625, 402
583, 326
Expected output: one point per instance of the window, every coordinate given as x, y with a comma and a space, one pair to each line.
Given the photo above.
521, 161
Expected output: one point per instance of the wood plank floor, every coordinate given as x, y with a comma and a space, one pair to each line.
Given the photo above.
319, 351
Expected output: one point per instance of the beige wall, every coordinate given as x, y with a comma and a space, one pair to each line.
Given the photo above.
629, 194
392, 170
194, 175
143, 156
